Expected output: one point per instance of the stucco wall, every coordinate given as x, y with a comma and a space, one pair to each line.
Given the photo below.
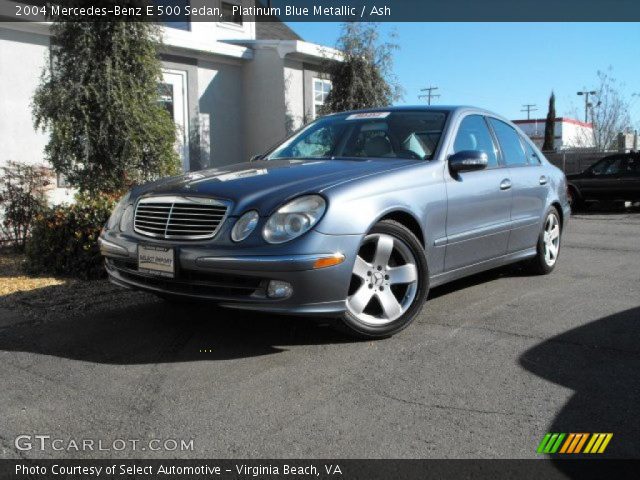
22, 58
220, 103
294, 95
264, 113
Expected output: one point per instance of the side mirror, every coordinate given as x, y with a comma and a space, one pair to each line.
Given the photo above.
467, 161
255, 158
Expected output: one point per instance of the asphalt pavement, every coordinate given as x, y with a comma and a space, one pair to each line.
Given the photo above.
492, 364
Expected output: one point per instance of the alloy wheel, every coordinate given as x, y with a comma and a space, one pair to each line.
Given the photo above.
551, 239
384, 280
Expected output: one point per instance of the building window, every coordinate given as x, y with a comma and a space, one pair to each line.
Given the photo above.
229, 15
321, 89
175, 15
61, 181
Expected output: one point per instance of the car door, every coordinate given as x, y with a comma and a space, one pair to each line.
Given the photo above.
478, 202
602, 180
529, 186
630, 179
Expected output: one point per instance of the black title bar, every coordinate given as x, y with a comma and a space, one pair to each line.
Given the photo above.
326, 10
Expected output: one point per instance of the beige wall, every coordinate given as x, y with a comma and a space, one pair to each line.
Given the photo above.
22, 58
265, 112
220, 106
294, 95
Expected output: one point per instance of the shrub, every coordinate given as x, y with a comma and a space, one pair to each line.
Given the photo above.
64, 238
22, 197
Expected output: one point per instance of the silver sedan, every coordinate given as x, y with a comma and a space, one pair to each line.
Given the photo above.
355, 217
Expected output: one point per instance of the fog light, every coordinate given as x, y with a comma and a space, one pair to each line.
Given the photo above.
278, 289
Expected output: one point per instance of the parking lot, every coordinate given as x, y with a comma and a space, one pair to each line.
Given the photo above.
492, 364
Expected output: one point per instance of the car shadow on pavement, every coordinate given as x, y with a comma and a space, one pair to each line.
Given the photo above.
605, 208
136, 328
102, 323
508, 271
600, 362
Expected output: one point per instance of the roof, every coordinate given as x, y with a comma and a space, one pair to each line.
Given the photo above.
558, 119
270, 27
417, 108
275, 30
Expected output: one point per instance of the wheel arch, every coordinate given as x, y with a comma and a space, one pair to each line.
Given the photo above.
558, 207
407, 220
575, 188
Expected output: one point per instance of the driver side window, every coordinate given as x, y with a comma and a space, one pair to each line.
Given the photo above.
473, 134
608, 166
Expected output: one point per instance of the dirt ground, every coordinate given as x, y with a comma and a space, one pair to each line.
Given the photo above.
46, 297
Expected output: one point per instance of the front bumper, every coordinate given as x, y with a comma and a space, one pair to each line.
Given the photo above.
237, 277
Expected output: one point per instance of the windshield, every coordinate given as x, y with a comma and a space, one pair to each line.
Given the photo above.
369, 135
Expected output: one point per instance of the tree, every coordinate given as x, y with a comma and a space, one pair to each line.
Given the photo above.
98, 100
550, 125
609, 112
364, 78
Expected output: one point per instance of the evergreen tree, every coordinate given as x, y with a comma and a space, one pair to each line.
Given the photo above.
550, 125
98, 100
363, 79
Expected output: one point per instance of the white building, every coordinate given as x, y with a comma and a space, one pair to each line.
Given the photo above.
234, 88
569, 133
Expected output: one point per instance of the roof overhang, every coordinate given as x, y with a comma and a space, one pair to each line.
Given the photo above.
294, 49
174, 41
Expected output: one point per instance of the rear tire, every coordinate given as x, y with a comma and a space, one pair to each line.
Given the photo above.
549, 241
389, 284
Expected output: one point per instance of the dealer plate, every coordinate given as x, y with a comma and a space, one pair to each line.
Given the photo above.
156, 260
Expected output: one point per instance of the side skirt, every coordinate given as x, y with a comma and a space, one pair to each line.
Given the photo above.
442, 278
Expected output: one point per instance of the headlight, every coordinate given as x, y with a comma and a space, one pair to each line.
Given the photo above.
126, 221
244, 226
114, 219
294, 218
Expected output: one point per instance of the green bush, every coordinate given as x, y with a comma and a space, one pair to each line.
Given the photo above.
22, 198
64, 239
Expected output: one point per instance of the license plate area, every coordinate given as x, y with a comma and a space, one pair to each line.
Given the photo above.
156, 260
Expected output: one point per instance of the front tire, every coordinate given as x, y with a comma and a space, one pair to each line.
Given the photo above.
575, 200
549, 242
389, 284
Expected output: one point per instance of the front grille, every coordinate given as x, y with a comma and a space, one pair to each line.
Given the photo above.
180, 218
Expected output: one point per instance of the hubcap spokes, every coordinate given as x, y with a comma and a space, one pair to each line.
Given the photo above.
392, 264
551, 239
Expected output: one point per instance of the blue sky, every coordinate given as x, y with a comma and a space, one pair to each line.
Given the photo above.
501, 66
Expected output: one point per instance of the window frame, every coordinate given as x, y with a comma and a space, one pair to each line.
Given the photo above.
187, 23
494, 140
317, 104
502, 155
530, 145
233, 25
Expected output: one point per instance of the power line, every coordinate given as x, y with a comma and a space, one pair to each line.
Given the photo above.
529, 107
429, 95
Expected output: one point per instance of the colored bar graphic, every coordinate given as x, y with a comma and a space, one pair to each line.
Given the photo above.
574, 443
567, 443
543, 443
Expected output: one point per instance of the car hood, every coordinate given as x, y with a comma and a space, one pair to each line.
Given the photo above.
265, 185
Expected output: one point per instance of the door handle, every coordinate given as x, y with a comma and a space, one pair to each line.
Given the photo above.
505, 184
543, 180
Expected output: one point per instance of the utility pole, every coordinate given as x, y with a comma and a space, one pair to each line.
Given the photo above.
586, 94
429, 95
529, 107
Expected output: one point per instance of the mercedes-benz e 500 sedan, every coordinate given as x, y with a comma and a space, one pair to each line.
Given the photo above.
355, 216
